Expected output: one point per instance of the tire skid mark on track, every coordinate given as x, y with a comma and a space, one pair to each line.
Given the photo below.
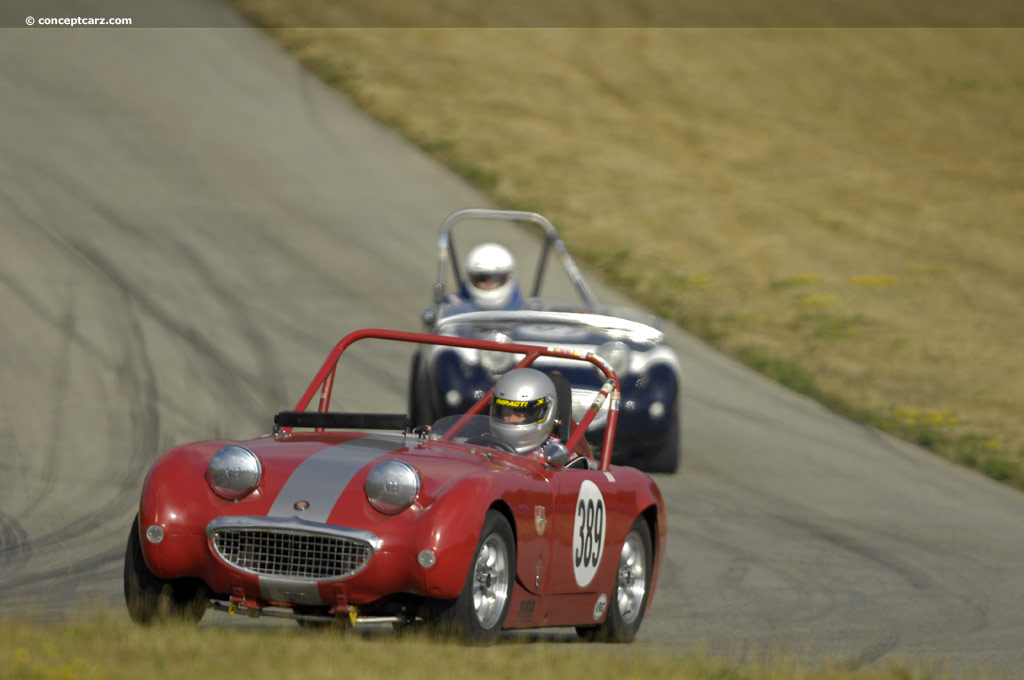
135, 373
219, 362
59, 390
15, 548
873, 652
802, 607
271, 377
795, 517
279, 241
34, 303
105, 525
293, 255
20, 549
917, 578
85, 253
139, 383
972, 615
293, 259
78, 568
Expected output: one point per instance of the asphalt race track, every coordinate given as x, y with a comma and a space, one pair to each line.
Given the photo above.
188, 222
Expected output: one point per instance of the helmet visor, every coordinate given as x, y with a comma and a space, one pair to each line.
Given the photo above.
519, 412
489, 280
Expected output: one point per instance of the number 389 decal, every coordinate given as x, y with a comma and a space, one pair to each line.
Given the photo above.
588, 533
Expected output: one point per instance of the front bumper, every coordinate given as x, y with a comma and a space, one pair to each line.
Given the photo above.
261, 561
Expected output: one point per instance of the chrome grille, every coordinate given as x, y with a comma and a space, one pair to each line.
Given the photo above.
292, 554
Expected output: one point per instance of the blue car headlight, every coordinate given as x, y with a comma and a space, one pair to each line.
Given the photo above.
617, 355
234, 472
392, 486
497, 363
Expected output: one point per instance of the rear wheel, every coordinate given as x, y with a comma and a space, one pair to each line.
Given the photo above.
629, 596
480, 610
151, 599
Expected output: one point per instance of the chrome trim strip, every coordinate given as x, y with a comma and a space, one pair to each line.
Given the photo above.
636, 331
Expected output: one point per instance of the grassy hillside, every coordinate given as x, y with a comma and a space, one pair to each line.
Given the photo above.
838, 208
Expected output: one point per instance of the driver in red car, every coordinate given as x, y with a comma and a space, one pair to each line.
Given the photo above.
523, 415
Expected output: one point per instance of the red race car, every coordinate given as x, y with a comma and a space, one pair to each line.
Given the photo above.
332, 519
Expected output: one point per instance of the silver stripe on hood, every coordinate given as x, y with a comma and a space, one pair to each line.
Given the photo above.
322, 478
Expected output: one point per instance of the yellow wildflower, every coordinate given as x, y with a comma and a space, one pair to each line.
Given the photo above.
876, 282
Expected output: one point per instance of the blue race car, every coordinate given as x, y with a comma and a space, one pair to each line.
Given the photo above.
485, 303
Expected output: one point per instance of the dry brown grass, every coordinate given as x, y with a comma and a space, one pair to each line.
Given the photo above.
838, 207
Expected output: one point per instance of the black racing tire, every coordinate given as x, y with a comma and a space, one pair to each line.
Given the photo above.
666, 458
632, 588
423, 409
480, 610
151, 599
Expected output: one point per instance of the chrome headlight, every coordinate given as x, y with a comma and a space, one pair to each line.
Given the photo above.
497, 363
392, 486
234, 472
617, 355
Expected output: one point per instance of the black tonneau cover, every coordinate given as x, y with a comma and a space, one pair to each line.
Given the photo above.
344, 421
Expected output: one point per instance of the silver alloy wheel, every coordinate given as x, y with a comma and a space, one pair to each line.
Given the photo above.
491, 581
632, 578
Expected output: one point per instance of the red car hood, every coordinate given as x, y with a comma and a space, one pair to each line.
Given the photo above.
316, 477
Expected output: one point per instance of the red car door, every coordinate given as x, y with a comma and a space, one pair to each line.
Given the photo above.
583, 500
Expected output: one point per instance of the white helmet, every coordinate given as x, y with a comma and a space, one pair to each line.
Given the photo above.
523, 409
491, 276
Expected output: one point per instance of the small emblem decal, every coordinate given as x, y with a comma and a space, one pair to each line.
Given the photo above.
540, 520
301, 505
600, 606
526, 609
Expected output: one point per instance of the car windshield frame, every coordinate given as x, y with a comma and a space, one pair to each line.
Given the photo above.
447, 256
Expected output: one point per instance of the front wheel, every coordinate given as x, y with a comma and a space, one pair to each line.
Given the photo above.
666, 458
480, 610
632, 586
151, 599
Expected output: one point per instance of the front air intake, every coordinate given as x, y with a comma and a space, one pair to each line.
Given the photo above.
289, 553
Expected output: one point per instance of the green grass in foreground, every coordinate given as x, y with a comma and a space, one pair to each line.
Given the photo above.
114, 648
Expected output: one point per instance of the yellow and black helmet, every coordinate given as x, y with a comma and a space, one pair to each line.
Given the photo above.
523, 408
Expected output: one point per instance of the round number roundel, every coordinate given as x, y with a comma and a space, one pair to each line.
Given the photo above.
588, 532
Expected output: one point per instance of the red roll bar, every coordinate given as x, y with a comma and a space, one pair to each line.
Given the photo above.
324, 378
